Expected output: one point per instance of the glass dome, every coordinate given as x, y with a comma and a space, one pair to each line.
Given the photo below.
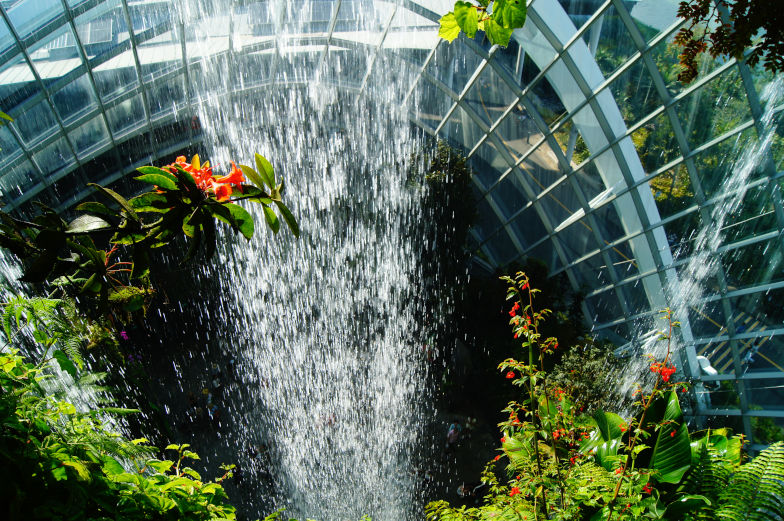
588, 153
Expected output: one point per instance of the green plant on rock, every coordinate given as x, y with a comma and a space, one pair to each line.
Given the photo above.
564, 464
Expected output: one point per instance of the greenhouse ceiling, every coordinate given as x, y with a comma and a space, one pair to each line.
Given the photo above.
589, 154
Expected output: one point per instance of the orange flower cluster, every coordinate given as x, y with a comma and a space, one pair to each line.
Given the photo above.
663, 370
202, 175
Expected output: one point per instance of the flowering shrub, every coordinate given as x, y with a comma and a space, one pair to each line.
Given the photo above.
563, 464
186, 200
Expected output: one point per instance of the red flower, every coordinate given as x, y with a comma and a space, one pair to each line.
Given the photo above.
672, 434
623, 428
235, 177
514, 491
510, 375
497, 458
618, 470
647, 488
503, 440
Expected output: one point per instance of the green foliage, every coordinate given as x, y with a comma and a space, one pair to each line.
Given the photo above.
69, 464
751, 29
563, 464
185, 201
497, 18
587, 371
756, 490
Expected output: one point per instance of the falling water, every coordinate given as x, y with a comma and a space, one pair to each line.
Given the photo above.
698, 257
325, 327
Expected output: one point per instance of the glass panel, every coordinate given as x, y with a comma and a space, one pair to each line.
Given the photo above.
160, 55
680, 233
17, 180
609, 39
655, 143
635, 93
488, 164
759, 263
489, 96
116, 76
755, 215
165, 97
254, 68
432, 104
89, 136
766, 395
518, 132
300, 65
36, 122
56, 55
547, 253
715, 164
9, 146
508, 195
540, 169
708, 320
27, 16
102, 29
453, 65
7, 42
126, 115
636, 299
75, 99
672, 191
54, 157
714, 109
605, 307
502, 248
528, 226
17, 85
578, 239
487, 222
543, 96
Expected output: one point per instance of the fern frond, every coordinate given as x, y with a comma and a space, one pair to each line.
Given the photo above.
708, 477
756, 491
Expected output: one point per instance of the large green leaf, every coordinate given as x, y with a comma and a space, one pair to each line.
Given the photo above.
449, 28
272, 219
289, 218
605, 441
96, 208
86, 223
157, 171
467, 17
496, 33
151, 202
158, 180
672, 450
243, 219
64, 362
510, 14
129, 211
265, 170
251, 174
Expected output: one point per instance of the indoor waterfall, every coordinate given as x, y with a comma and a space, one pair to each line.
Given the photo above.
324, 329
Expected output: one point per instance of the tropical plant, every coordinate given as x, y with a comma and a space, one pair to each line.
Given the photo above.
497, 18
185, 201
69, 463
563, 464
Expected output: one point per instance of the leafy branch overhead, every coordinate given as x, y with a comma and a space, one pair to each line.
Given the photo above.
496, 18
185, 201
742, 29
